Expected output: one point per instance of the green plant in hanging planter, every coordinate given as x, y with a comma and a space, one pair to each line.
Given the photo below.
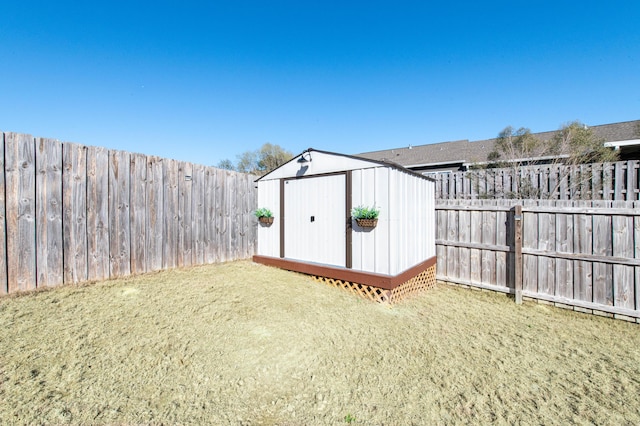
263, 212
366, 217
363, 212
264, 215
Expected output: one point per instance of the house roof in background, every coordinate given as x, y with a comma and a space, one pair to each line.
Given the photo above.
465, 151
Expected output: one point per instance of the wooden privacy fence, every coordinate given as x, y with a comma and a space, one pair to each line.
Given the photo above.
71, 213
584, 255
600, 181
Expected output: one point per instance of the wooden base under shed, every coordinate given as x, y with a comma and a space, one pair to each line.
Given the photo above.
375, 287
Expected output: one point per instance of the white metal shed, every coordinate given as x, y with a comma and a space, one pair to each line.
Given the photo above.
311, 197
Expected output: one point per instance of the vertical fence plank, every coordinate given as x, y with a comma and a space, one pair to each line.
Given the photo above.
475, 260
583, 280
530, 263
441, 251
220, 213
138, 212
501, 257
97, 213
564, 244
623, 276
120, 225
154, 213
544, 263
607, 182
633, 186
209, 215
234, 221
20, 212
3, 222
49, 213
198, 210
488, 257
241, 215
74, 221
619, 181
602, 272
185, 218
170, 210
464, 235
452, 252
636, 255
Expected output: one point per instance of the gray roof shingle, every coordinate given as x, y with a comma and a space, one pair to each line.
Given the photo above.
464, 151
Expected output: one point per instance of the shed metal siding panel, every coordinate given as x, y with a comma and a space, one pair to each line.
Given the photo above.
315, 227
412, 237
269, 237
370, 248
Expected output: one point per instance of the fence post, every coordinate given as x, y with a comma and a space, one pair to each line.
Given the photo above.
518, 252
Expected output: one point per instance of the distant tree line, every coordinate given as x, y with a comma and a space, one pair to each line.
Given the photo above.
259, 161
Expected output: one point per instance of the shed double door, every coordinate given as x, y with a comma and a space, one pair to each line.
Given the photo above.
315, 219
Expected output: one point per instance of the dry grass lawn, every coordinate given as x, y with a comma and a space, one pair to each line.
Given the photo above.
241, 343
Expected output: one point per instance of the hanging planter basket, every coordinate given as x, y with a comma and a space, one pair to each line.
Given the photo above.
265, 220
367, 223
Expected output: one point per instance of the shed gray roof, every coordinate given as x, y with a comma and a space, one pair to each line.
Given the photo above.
465, 151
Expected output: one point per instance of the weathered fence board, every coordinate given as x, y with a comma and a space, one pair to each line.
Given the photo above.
564, 244
170, 213
464, 235
120, 225
488, 256
155, 214
602, 272
475, 259
49, 213
97, 213
530, 263
3, 228
74, 194
223, 220
582, 254
138, 210
21, 211
185, 235
209, 216
198, 209
636, 250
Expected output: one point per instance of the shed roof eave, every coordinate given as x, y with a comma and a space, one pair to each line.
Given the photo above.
517, 160
441, 163
617, 144
373, 163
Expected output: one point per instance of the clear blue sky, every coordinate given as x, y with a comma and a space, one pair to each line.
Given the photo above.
204, 81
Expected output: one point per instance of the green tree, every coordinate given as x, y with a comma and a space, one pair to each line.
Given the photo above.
263, 160
520, 151
226, 164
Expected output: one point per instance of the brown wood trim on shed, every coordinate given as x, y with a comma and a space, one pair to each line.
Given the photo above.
282, 218
386, 282
349, 228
